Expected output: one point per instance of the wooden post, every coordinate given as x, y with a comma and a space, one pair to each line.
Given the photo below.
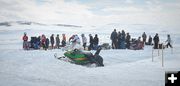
152, 54
158, 51
162, 56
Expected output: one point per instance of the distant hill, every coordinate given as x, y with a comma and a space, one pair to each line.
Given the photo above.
5, 24
11, 23
66, 25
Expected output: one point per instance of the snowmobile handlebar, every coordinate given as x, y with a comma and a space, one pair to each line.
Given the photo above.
98, 50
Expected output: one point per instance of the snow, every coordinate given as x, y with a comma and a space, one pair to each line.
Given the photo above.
122, 67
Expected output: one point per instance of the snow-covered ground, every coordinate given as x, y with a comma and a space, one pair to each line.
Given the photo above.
122, 67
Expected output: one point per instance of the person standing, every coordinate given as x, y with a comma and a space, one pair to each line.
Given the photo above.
114, 39
47, 43
156, 41
96, 42
43, 41
63, 40
25, 41
169, 41
91, 41
57, 41
128, 37
123, 36
144, 37
84, 41
118, 40
52, 41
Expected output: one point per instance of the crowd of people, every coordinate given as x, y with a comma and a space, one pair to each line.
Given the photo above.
43, 42
120, 40
54, 42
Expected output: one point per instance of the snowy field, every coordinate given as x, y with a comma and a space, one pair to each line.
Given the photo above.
122, 67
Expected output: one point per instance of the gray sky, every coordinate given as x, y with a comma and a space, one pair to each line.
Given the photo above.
92, 12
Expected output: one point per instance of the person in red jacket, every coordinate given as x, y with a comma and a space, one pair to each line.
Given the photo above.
25, 42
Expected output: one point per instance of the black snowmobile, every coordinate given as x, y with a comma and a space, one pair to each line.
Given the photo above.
83, 58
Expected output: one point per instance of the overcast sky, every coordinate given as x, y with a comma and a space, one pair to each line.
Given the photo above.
92, 12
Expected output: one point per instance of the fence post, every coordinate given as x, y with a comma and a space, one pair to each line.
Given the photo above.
158, 51
162, 55
152, 54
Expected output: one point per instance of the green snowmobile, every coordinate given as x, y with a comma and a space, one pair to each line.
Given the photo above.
83, 58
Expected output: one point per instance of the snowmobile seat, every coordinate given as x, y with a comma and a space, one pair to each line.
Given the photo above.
88, 54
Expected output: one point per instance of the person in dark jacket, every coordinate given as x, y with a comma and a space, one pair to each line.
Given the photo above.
47, 43
39, 41
144, 36
34, 41
156, 41
122, 39
128, 37
119, 40
149, 40
63, 42
114, 39
52, 41
91, 41
57, 41
96, 42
